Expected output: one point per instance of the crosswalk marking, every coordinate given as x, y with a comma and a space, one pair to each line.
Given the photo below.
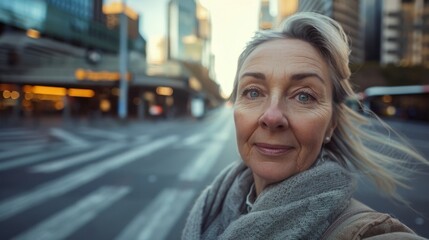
194, 139
64, 223
38, 157
17, 204
199, 167
68, 137
103, 134
142, 138
16, 144
8, 133
76, 159
19, 151
157, 219
206, 159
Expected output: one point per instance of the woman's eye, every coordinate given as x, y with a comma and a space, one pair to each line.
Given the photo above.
251, 93
304, 97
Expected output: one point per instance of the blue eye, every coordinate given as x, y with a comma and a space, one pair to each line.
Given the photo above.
251, 93
304, 97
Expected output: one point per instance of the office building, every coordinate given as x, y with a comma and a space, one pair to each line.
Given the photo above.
346, 12
405, 35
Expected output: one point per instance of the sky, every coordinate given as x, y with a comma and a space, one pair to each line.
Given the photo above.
233, 24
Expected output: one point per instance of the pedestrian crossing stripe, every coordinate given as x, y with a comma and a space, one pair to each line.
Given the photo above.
65, 222
159, 216
22, 202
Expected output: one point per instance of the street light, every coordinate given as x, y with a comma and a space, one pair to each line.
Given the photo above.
123, 63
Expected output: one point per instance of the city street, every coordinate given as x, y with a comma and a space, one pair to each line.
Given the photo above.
106, 179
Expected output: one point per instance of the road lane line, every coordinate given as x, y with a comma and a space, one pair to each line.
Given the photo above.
103, 134
68, 137
64, 223
224, 134
24, 201
38, 157
7, 133
76, 159
18, 151
191, 140
199, 168
142, 138
219, 123
158, 218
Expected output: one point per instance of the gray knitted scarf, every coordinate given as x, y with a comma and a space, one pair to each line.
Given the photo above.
300, 207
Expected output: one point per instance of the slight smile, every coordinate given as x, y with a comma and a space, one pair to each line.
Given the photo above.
272, 150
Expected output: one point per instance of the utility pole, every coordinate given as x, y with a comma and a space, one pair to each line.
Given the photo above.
123, 63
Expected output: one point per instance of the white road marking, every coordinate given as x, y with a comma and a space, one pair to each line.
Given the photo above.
42, 156
103, 134
201, 166
142, 138
220, 121
22, 202
191, 140
207, 158
64, 223
17, 144
16, 151
75, 159
13, 132
225, 133
68, 137
157, 219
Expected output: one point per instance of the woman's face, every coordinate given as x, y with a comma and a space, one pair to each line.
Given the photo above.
283, 109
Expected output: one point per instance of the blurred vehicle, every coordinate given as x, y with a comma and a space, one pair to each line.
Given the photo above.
399, 102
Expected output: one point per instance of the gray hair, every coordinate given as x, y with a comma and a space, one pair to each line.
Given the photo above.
355, 144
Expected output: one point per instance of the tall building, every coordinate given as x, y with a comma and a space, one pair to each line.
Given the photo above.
65, 45
204, 32
265, 17
346, 12
80, 8
405, 38
189, 34
189, 42
425, 37
113, 11
97, 11
285, 8
182, 31
371, 12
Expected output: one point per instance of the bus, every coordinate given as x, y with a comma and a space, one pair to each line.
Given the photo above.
398, 102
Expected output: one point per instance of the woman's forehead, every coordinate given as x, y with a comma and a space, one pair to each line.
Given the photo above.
288, 55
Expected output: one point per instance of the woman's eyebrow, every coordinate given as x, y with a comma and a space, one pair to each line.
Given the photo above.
301, 76
294, 77
256, 75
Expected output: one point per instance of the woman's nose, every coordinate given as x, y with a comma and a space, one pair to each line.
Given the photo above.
273, 118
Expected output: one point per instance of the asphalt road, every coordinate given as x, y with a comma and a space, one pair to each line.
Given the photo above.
416, 214
104, 179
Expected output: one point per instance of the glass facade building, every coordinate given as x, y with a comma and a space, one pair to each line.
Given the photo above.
346, 12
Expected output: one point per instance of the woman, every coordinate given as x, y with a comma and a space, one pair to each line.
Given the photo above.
299, 145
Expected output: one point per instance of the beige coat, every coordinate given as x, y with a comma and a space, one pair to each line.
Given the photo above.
359, 221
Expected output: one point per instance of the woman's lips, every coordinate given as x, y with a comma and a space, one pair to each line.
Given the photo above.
272, 149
